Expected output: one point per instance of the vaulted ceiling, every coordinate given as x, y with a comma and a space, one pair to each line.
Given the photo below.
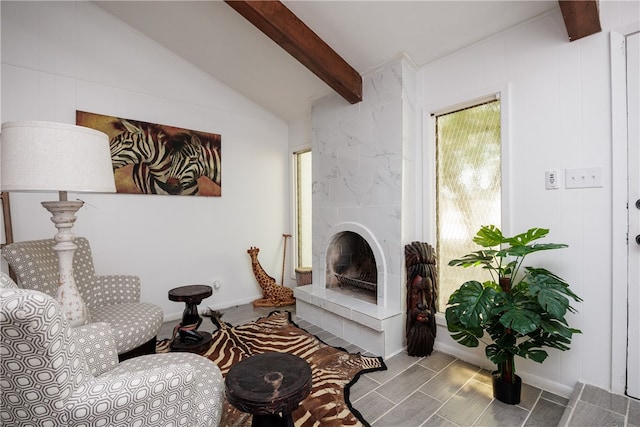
217, 39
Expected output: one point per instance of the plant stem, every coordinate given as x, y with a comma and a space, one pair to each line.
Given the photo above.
505, 284
507, 370
517, 268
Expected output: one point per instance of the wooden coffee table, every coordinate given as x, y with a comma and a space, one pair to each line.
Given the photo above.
191, 339
269, 386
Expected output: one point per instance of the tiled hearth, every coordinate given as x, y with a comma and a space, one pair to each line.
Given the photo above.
364, 183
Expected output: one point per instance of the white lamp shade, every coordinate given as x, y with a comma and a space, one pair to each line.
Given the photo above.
47, 156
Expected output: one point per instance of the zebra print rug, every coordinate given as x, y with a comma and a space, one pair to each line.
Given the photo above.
334, 370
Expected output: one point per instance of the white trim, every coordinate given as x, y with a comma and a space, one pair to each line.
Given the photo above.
619, 210
293, 208
633, 218
466, 104
618, 214
428, 185
293, 179
507, 164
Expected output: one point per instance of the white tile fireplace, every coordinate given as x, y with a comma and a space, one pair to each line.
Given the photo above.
364, 180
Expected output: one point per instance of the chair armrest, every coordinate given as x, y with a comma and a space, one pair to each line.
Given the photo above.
158, 396
112, 289
98, 346
6, 282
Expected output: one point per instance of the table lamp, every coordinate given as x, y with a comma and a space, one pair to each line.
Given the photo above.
44, 156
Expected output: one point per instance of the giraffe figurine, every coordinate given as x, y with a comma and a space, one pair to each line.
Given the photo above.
273, 295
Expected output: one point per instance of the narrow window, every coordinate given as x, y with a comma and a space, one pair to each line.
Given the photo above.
303, 208
468, 187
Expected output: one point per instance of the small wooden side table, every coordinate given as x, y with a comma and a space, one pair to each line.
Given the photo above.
269, 386
191, 339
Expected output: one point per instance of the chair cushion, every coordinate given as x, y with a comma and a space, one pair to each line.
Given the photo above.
208, 395
132, 324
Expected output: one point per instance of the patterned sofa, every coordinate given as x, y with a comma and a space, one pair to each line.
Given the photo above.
55, 375
113, 299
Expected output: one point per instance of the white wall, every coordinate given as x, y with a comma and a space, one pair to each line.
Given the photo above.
559, 117
59, 57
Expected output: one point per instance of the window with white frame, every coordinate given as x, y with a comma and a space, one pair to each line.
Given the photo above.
302, 160
468, 186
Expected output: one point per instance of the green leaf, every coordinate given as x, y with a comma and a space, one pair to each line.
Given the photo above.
472, 303
474, 259
551, 291
527, 237
536, 355
507, 342
524, 250
489, 236
554, 327
544, 339
508, 270
520, 319
493, 285
496, 330
553, 302
498, 353
531, 349
463, 335
495, 354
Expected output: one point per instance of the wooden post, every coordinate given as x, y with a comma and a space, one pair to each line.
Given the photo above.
284, 257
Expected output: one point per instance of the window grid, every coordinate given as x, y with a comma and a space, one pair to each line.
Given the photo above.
468, 187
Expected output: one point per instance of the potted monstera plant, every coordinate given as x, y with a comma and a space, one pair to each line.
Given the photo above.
521, 308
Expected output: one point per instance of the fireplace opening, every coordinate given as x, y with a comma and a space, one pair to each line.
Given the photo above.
351, 266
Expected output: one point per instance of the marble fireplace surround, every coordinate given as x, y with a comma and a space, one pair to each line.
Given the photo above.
369, 326
364, 174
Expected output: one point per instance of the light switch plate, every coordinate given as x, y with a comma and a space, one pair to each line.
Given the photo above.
583, 178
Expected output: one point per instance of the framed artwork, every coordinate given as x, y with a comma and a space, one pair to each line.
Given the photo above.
149, 158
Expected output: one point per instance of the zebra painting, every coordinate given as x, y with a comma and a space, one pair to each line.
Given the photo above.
146, 148
192, 159
149, 158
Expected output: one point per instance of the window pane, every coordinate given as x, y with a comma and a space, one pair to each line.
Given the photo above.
467, 188
303, 209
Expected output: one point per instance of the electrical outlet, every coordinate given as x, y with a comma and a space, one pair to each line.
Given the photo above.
551, 180
583, 178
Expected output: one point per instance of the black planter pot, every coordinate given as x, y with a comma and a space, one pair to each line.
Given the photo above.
506, 392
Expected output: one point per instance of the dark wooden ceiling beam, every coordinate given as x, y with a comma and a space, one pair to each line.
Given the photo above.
581, 18
281, 25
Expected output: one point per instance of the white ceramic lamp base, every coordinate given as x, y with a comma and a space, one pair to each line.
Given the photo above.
63, 216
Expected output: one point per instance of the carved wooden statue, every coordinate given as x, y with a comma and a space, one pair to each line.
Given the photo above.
422, 293
273, 295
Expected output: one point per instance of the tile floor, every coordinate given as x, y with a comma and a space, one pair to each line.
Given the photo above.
441, 390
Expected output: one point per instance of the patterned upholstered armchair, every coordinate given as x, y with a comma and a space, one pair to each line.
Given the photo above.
56, 375
113, 299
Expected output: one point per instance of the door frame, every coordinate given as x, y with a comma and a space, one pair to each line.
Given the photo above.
619, 210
